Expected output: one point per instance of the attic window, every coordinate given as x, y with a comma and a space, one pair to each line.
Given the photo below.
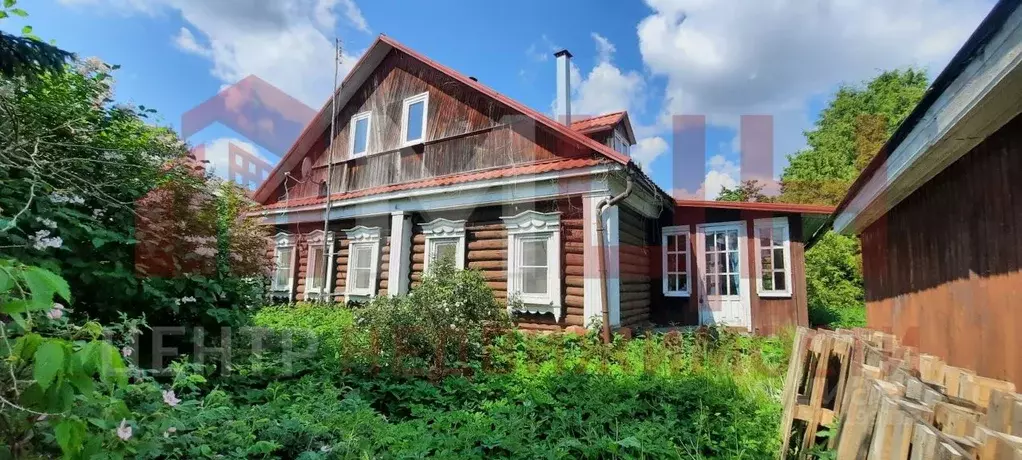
413, 119
619, 143
360, 124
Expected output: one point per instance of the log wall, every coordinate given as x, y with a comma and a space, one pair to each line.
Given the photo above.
486, 250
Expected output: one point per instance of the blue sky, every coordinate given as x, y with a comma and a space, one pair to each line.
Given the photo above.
659, 58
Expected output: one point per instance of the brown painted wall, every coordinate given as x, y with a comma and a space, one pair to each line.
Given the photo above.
942, 268
769, 315
465, 131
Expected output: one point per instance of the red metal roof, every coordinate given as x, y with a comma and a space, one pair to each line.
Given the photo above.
755, 206
598, 123
532, 168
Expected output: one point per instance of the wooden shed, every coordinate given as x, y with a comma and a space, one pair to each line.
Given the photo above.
939, 210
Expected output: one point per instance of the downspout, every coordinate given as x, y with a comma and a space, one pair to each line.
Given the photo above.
601, 253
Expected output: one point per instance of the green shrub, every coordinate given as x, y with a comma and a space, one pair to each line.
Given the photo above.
444, 322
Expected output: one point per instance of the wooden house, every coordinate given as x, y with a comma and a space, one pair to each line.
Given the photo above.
939, 210
427, 161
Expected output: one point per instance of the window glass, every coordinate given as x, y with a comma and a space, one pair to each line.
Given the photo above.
533, 253
773, 270
361, 136
534, 280
445, 249
283, 266
318, 267
415, 121
676, 263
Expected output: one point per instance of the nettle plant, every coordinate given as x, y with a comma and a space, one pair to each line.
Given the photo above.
50, 366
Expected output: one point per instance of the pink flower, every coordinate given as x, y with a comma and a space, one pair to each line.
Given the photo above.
124, 431
170, 398
126, 351
57, 312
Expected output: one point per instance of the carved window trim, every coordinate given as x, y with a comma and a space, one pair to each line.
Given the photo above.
534, 226
314, 241
283, 241
358, 237
444, 231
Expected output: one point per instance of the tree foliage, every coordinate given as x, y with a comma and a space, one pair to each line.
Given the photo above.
748, 190
81, 176
26, 56
847, 134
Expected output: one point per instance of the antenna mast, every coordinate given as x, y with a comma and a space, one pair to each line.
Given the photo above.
329, 171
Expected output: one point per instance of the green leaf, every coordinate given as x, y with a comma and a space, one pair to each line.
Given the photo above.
83, 383
19, 12
15, 306
6, 283
49, 361
9, 3
69, 433
27, 30
26, 345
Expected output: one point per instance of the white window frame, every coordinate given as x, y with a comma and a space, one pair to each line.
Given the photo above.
424, 98
665, 252
362, 236
625, 146
444, 231
530, 226
368, 115
282, 241
775, 223
314, 240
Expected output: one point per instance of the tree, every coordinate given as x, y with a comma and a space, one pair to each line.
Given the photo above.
77, 172
26, 55
847, 135
748, 190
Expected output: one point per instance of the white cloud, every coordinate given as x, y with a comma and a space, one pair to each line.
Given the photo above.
604, 48
605, 88
217, 153
185, 41
729, 58
646, 150
282, 42
720, 173
542, 50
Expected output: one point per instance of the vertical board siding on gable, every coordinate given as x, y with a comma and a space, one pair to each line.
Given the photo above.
635, 249
486, 251
465, 131
941, 268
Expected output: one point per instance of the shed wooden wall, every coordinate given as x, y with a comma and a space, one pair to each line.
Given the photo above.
942, 267
770, 315
465, 131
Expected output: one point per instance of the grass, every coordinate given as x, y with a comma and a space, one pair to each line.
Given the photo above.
705, 394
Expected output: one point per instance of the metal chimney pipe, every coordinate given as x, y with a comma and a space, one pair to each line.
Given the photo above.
563, 86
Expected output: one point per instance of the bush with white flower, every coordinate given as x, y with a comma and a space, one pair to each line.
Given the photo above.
443, 324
